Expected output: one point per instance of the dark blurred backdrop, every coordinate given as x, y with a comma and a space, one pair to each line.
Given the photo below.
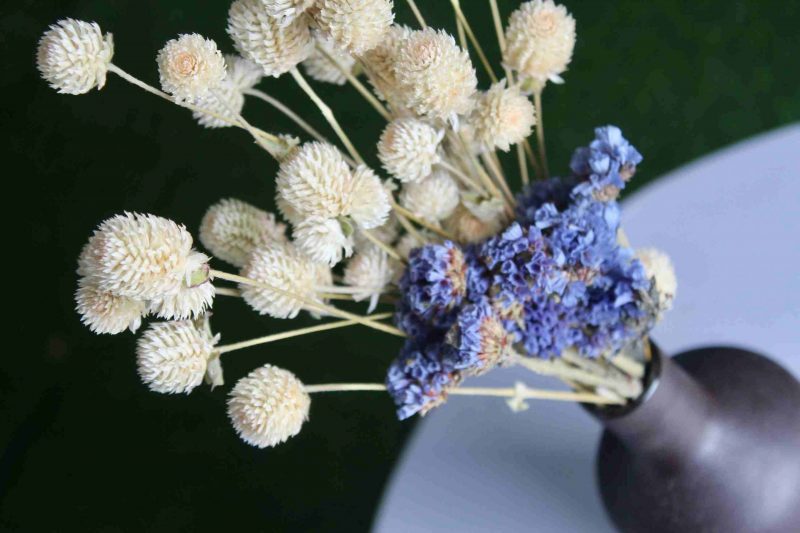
85, 446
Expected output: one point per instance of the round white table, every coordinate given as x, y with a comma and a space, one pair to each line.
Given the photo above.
731, 223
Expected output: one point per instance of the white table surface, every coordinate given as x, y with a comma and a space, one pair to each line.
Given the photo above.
731, 223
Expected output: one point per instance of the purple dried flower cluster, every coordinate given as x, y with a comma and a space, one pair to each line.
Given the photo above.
553, 279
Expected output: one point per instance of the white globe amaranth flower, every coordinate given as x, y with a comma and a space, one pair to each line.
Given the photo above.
408, 242
386, 232
291, 272
408, 148
172, 356
227, 100
369, 271
268, 406
369, 204
276, 46
502, 116
286, 11
231, 229
435, 75
433, 198
243, 73
105, 312
354, 25
190, 67
379, 62
323, 239
186, 302
142, 257
315, 181
319, 67
658, 267
73, 56
467, 228
540, 38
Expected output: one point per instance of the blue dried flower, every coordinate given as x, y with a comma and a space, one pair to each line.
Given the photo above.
606, 164
480, 338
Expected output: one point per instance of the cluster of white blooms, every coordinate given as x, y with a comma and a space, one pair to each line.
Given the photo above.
502, 116
658, 267
228, 98
172, 357
324, 199
135, 264
540, 38
320, 63
268, 406
190, 67
231, 229
73, 56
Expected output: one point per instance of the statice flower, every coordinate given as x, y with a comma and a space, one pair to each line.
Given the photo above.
606, 164
419, 378
555, 191
480, 338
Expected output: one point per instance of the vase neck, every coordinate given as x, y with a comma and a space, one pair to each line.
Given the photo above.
672, 419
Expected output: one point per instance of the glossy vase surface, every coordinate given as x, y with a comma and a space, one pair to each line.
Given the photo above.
713, 445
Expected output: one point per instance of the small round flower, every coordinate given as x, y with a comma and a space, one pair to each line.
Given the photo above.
433, 199
354, 25
387, 232
539, 41
316, 181
658, 267
268, 406
480, 338
369, 205
379, 62
105, 312
319, 67
186, 302
502, 117
190, 67
276, 46
241, 72
227, 101
73, 56
282, 266
141, 256
435, 75
232, 229
286, 10
407, 243
408, 148
466, 227
172, 356
323, 240
370, 271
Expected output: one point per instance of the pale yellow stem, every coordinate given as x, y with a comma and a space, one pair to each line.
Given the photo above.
417, 14
327, 113
382, 245
523, 165
225, 348
466, 180
305, 126
421, 221
472, 39
537, 102
225, 291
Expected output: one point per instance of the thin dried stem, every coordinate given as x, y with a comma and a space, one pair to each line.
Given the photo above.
294, 117
310, 304
523, 164
382, 245
366, 93
226, 291
472, 39
328, 114
464, 178
417, 14
421, 221
225, 348
537, 102
497, 173
526, 145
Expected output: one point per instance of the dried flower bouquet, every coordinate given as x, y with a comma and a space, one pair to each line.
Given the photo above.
473, 275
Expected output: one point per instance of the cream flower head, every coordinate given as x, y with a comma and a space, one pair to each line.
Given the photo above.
276, 46
433, 198
186, 302
466, 227
658, 267
435, 75
268, 406
228, 99
172, 356
502, 117
241, 72
286, 11
282, 266
320, 68
539, 41
323, 239
354, 25
190, 67
73, 56
386, 232
370, 271
316, 181
142, 257
380, 65
105, 312
408, 148
369, 205
231, 229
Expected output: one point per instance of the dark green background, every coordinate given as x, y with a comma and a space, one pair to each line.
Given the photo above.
85, 446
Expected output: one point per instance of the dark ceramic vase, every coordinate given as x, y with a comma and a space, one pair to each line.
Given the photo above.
713, 445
